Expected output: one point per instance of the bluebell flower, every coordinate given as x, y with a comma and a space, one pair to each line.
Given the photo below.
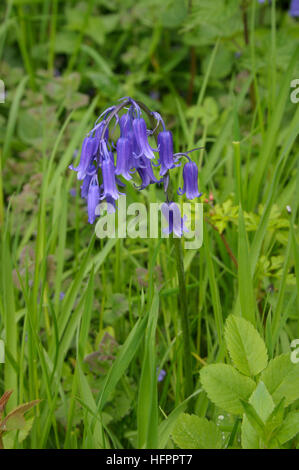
111, 205
161, 374
85, 186
146, 173
190, 175
124, 153
294, 8
176, 223
139, 128
125, 125
93, 199
89, 149
165, 146
103, 158
109, 182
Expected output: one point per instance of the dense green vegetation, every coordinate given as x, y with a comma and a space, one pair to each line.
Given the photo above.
89, 324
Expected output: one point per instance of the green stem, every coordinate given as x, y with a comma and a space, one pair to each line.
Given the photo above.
183, 300
188, 390
183, 309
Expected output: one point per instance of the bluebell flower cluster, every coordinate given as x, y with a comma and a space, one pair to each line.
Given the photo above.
294, 7
103, 160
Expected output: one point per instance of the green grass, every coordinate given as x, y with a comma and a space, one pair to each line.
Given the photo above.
122, 299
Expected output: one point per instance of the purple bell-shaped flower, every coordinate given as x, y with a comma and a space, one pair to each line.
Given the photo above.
165, 146
93, 198
176, 223
124, 154
139, 127
109, 183
190, 175
89, 149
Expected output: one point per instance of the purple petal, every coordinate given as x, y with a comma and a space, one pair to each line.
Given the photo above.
139, 127
190, 175
146, 173
124, 152
93, 198
172, 214
294, 8
89, 149
165, 145
108, 172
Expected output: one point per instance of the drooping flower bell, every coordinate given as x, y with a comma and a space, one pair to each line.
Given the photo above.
124, 154
89, 149
133, 154
190, 175
146, 173
139, 128
108, 173
86, 183
165, 146
93, 198
294, 8
176, 223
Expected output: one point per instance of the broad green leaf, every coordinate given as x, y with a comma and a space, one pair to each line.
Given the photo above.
289, 428
192, 432
225, 386
281, 378
263, 405
165, 428
246, 347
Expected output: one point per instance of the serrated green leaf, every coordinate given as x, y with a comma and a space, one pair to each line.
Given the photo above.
192, 432
246, 347
263, 405
289, 428
281, 378
225, 386
16, 421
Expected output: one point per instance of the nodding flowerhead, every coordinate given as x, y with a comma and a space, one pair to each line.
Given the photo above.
140, 132
133, 154
89, 149
146, 173
176, 223
124, 152
294, 8
109, 181
93, 198
190, 175
165, 146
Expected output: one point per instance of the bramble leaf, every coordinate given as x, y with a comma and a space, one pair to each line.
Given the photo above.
263, 405
289, 428
281, 378
246, 347
193, 432
225, 386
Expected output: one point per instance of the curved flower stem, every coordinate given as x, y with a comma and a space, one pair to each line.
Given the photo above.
188, 389
183, 300
121, 106
184, 316
183, 309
